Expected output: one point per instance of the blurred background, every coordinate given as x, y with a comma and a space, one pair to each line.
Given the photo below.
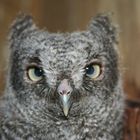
71, 15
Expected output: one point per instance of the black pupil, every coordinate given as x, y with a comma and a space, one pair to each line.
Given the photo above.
90, 70
38, 72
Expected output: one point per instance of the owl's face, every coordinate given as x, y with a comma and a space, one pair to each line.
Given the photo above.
63, 75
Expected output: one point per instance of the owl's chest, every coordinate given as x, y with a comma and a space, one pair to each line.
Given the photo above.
67, 131
80, 129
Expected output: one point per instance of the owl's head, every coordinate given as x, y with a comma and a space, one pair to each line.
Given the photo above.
63, 74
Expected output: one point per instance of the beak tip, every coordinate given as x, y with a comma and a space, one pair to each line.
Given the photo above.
65, 110
65, 99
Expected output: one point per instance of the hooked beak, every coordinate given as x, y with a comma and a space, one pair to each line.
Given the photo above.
64, 90
65, 100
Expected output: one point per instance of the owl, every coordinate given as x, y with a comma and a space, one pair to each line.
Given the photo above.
62, 86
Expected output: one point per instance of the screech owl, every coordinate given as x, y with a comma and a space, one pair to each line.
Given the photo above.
62, 86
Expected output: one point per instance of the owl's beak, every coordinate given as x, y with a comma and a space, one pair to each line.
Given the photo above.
64, 90
65, 99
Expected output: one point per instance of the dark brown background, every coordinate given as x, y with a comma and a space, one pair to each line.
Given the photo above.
70, 15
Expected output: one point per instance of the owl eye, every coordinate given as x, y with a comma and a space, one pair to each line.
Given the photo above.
93, 71
35, 73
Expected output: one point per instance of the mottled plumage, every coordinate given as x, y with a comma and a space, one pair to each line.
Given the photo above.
62, 86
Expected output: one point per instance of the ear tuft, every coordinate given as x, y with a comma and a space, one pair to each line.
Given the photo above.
23, 23
103, 25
